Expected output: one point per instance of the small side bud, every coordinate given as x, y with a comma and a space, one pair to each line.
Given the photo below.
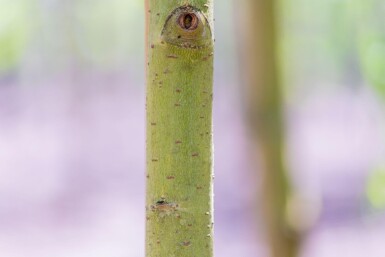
187, 27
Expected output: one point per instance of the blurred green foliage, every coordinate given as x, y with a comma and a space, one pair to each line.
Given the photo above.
371, 42
376, 188
109, 32
311, 45
99, 33
13, 32
333, 42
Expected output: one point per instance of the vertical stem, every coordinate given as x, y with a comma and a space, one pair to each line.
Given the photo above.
179, 128
264, 110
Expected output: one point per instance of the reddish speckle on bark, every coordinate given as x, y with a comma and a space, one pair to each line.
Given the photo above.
172, 56
163, 206
170, 177
178, 90
177, 104
178, 142
152, 46
207, 57
186, 243
195, 154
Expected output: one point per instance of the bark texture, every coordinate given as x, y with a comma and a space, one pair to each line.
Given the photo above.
263, 97
179, 208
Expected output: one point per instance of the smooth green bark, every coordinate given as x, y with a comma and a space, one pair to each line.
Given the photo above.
179, 129
263, 95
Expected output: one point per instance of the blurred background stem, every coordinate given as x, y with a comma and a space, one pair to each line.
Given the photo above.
263, 95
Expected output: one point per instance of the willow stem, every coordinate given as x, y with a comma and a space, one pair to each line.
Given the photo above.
179, 208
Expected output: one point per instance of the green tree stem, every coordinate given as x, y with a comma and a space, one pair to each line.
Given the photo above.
179, 210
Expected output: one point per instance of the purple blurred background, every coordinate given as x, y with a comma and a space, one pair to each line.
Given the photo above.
72, 136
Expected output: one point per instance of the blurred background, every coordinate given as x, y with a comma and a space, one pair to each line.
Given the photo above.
72, 129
